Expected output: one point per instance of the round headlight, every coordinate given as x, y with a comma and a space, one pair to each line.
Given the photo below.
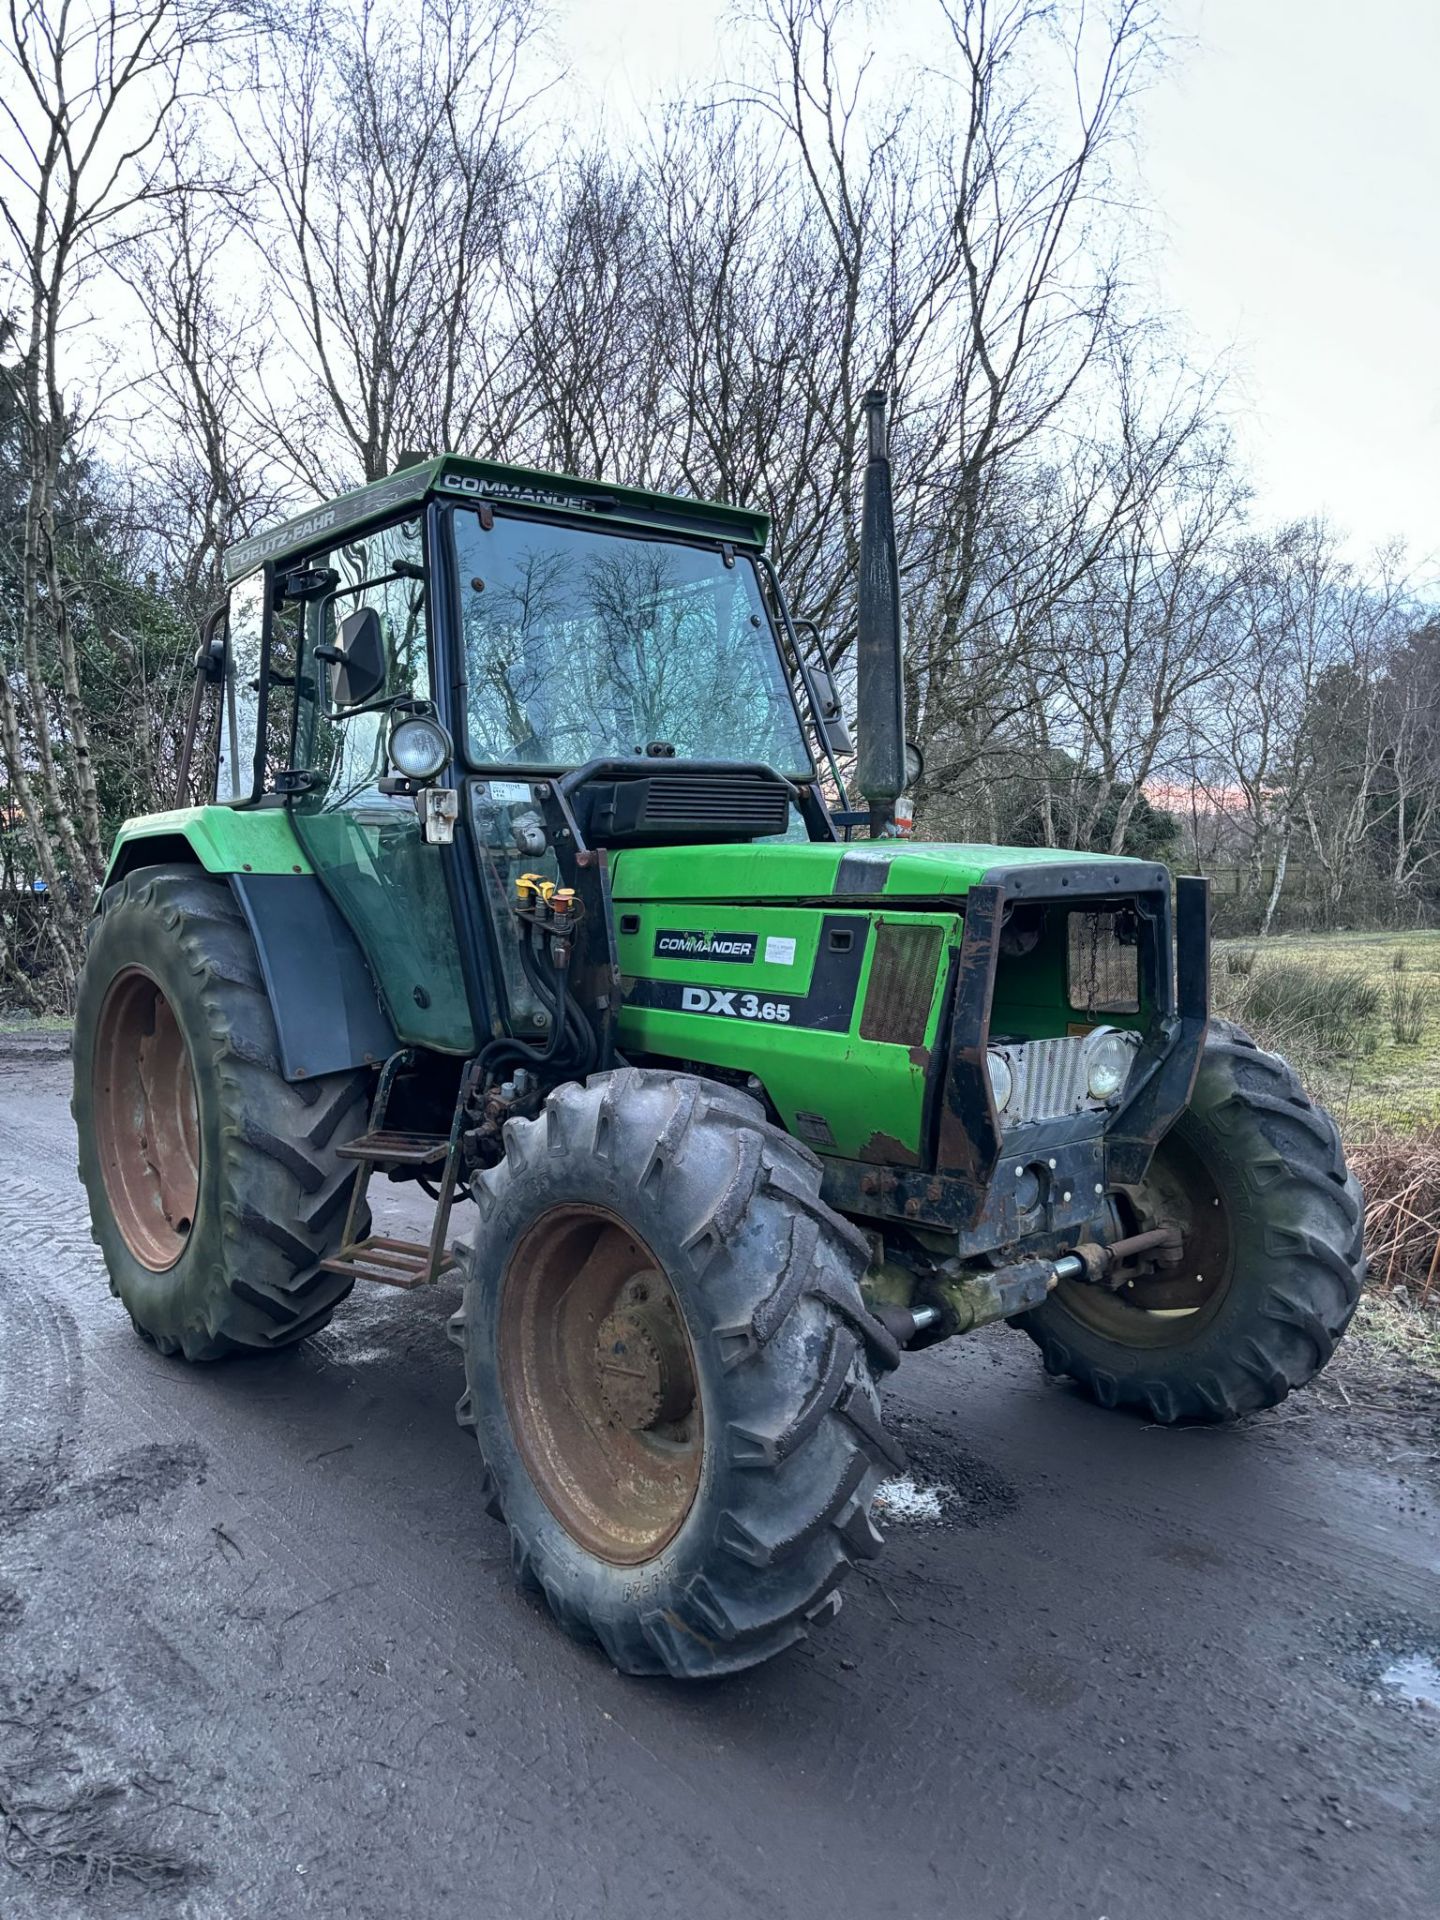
1108, 1066
419, 748
1002, 1081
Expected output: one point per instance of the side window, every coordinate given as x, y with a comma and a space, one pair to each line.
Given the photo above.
240, 704
346, 753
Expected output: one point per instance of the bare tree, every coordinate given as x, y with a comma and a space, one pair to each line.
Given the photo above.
202, 474
90, 89
1142, 637
387, 151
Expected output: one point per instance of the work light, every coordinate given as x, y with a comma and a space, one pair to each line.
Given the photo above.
419, 748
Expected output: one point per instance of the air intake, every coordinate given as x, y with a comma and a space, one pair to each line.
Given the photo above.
676, 807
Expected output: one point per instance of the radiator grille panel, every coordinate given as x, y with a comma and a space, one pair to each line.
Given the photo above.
902, 984
755, 806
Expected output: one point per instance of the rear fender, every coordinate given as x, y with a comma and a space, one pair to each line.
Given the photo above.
328, 1015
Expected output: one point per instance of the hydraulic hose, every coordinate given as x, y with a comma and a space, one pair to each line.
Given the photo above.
576, 1026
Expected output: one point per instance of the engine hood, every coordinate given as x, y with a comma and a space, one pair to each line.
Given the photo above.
870, 869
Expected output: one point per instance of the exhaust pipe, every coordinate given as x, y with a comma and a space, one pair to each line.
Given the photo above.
879, 642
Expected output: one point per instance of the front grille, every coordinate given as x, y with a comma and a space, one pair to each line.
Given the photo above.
1050, 1078
1103, 961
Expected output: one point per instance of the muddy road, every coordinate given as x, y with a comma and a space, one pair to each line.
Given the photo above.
260, 1653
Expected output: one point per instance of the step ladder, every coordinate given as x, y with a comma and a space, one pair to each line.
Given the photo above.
378, 1257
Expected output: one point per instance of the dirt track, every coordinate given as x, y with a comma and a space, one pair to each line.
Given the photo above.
260, 1650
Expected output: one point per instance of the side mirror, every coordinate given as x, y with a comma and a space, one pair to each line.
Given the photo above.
358, 666
834, 730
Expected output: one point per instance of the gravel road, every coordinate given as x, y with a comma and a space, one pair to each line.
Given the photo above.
260, 1654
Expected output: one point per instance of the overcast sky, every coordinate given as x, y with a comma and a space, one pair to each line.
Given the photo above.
1293, 154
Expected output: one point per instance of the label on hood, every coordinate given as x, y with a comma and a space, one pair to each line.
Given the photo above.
681, 944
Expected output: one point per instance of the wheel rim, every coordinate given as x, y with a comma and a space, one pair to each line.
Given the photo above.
147, 1122
1169, 1307
599, 1383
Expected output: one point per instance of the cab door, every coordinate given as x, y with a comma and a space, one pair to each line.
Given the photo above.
366, 846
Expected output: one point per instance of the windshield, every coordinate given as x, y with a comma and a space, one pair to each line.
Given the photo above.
580, 645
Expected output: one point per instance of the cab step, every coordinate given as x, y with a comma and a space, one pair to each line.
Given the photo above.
402, 1263
393, 1263
388, 1147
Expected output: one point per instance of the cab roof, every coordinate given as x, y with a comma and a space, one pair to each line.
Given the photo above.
452, 477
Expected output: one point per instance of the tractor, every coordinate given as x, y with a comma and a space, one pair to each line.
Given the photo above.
529, 876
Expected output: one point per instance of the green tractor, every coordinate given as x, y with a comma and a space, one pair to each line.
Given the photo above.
529, 876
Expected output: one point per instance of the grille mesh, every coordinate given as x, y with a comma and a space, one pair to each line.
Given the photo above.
757, 806
902, 984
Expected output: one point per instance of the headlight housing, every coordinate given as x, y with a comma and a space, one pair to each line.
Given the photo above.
1108, 1058
419, 747
1002, 1081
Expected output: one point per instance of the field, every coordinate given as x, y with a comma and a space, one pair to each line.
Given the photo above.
1359, 1013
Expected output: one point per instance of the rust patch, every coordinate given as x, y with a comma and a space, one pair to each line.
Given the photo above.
920, 1057
883, 1149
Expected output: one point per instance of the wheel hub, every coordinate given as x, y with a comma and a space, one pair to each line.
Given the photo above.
1162, 1303
642, 1362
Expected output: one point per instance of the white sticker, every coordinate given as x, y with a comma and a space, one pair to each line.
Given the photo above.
509, 793
779, 952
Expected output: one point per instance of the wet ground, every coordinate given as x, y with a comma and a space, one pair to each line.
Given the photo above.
260, 1653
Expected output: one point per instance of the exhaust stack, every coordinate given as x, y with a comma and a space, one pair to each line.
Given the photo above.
880, 682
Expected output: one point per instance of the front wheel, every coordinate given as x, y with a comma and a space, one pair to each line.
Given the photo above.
669, 1370
1254, 1176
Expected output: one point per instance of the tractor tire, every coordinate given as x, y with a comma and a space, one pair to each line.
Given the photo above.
670, 1372
1254, 1174
214, 1184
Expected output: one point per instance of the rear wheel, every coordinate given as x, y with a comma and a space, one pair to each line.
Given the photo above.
670, 1372
1254, 1177
214, 1185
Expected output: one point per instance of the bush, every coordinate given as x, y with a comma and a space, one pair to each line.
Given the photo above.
1240, 961
1409, 1004
1399, 960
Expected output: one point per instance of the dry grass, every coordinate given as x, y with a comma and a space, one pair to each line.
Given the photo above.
1372, 1058
1401, 1178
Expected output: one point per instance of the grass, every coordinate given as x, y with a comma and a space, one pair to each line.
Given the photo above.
1326, 1013
1398, 1329
1365, 987
34, 1023
1409, 1004
1358, 1015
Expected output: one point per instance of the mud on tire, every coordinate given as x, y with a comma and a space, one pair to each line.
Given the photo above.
1296, 1263
272, 1190
765, 1279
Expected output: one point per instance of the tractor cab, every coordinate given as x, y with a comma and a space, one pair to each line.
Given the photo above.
467, 673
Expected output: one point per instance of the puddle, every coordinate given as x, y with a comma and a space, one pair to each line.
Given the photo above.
1415, 1678
905, 1500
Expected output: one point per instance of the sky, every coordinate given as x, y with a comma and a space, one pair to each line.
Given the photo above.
1292, 154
